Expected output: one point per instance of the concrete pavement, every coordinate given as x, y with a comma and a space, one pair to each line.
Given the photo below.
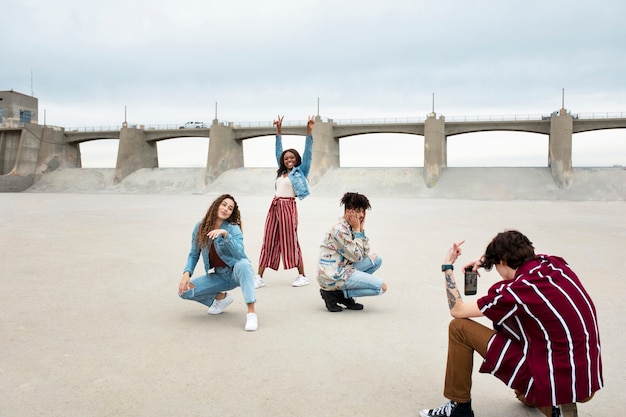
91, 325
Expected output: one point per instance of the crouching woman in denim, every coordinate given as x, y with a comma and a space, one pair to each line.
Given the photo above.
219, 239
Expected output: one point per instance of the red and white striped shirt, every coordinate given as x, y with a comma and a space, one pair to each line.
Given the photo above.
547, 343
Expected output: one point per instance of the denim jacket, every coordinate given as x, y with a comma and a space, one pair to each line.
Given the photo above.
298, 174
229, 248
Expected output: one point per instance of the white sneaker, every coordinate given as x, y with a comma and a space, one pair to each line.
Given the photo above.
258, 281
219, 305
252, 322
300, 281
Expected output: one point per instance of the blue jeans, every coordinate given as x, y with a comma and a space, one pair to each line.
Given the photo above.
361, 282
223, 279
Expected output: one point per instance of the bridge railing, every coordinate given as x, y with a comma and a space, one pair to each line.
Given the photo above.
607, 115
163, 127
497, 118
381, 121
366, 121
93, 129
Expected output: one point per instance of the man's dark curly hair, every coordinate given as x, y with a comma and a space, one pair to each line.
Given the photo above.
353, 201
511, 247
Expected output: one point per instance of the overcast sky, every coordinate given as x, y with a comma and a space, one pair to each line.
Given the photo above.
168, 62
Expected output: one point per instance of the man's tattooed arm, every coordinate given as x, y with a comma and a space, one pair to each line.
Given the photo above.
451, 290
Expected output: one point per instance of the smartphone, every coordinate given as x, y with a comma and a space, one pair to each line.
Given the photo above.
471, 281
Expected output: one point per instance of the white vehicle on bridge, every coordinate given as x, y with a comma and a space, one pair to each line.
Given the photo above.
193, 125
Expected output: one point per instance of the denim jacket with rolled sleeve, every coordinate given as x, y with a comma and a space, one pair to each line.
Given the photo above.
229, 249
298, 175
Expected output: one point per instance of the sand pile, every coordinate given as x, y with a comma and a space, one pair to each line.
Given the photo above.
589, 184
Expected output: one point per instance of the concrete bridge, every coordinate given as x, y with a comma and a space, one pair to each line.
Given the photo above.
28, 152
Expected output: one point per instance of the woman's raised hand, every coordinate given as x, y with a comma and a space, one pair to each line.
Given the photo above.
309, 125
278, 123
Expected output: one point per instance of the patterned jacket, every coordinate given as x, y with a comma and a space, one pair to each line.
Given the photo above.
340, 249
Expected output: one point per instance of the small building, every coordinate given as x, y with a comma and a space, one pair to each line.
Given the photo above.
17, 109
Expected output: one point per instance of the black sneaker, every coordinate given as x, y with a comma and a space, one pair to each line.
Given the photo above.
349, 302
450, 409
330, 299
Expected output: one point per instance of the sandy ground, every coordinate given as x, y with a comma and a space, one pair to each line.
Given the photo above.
91, 324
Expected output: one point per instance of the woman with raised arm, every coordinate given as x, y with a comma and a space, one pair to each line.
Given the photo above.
280, 239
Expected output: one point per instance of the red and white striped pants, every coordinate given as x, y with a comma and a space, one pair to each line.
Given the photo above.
281, 235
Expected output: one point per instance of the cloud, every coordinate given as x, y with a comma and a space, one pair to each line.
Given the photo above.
168, 62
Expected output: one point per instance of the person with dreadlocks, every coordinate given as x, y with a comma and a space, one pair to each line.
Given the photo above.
280, 239
218, 237
346, 265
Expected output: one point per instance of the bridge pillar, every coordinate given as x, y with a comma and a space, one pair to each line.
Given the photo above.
28, 153
54, 152
325, 150
224, 151
134, 152
435, 152
560, 144
9, 145
20, 150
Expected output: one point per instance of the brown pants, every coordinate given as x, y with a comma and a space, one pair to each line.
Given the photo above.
464, 337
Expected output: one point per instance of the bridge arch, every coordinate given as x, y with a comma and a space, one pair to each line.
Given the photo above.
101, 153
389, 149
489, 148
599, 148
183, 152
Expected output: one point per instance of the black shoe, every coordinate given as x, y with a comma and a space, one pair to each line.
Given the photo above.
450, 409
331, 298
349, 302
